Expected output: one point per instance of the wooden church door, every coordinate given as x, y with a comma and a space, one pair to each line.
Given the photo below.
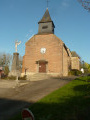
42, 67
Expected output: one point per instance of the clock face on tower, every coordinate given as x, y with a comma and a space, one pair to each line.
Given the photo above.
43, 50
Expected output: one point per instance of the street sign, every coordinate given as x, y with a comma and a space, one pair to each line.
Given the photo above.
27, 115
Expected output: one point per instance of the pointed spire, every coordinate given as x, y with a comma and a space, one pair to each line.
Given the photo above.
46, 17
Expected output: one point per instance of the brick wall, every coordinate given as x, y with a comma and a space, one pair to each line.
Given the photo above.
65, 62
75, 63
56, 54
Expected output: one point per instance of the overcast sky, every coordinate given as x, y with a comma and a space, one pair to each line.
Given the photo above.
19, 21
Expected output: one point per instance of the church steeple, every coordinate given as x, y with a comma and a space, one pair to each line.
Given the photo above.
46, 24
46, 17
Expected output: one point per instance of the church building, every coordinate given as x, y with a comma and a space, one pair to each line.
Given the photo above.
46, 53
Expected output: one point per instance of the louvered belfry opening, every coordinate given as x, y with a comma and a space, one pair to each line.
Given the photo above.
46, 24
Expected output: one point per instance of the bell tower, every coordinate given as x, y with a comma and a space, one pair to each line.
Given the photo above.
46, 25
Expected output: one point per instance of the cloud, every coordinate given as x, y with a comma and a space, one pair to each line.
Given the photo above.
65, 3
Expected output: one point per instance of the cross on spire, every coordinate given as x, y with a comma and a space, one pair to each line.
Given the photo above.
47, 3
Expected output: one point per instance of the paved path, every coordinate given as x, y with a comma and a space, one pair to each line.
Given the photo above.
15, 97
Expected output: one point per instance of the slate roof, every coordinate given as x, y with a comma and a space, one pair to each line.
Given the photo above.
46, 17
74, 54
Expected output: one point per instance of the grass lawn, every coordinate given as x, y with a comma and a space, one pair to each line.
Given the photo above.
71, 102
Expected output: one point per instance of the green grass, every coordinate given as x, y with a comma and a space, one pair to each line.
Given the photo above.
71, 102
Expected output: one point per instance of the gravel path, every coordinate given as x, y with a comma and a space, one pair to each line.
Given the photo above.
14, 97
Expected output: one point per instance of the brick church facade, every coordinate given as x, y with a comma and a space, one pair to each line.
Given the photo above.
46, 53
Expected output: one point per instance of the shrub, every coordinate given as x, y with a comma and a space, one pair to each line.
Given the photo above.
11, 77
75, 72
6, 70
23, 78
15, 77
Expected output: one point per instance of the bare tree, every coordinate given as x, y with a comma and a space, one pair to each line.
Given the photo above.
85, 4
5, 59
5, 62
